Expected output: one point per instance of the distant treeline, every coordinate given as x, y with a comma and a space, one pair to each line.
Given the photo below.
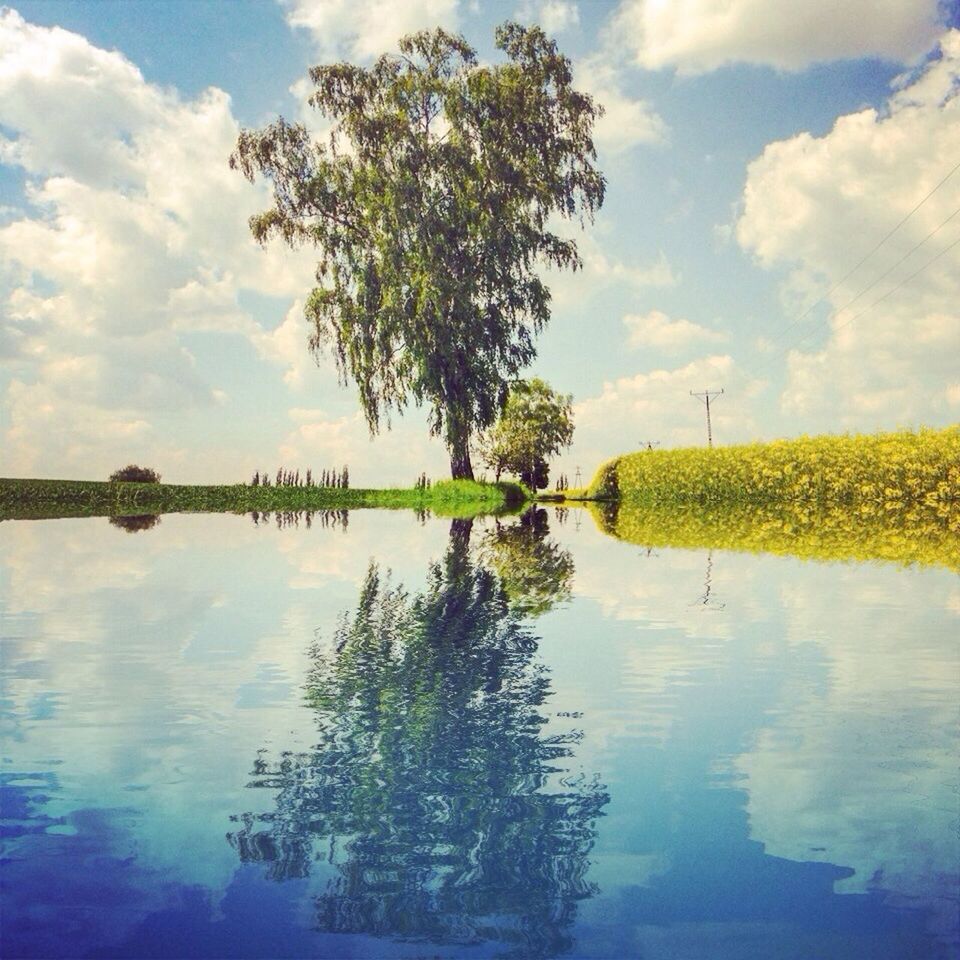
292, 518
333, 479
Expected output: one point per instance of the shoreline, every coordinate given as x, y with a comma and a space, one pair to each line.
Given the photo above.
26, 499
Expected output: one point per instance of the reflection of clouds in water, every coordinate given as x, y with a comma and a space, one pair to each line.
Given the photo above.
830, 691
394, 537
812, 710
666, 588
865, 765
137, 660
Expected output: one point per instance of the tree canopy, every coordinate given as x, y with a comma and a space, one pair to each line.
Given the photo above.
429, 203
535, 424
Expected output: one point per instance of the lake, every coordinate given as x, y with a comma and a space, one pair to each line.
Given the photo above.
391, 735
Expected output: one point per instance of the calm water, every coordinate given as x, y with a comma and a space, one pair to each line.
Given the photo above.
436, 739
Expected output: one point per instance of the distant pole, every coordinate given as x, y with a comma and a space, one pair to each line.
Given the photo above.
649, 444
705, 397
576, 481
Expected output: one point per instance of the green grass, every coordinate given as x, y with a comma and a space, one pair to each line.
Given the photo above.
37, 499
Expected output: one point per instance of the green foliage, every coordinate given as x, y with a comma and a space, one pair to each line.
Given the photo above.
429, 205
890, 496
536, 423
894, 473
135, 522
134, 474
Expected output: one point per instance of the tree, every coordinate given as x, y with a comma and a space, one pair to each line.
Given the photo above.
135, 474
536, 423
429, 204
136, 522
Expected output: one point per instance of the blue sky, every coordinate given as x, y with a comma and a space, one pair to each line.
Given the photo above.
755, 150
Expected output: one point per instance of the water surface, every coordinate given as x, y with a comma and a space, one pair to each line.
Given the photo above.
383, 735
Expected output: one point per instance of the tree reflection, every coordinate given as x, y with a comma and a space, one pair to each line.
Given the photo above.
447, 809
535, 572
135, 523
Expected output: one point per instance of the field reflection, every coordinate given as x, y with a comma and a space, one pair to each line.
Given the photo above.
925, 537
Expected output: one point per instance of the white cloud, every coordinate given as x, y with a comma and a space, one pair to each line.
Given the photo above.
656, 329
696, 36
658, 273
603, 271
627, 121
817, 204
135, 235
286, 345
394, 458
555, 16
364, 29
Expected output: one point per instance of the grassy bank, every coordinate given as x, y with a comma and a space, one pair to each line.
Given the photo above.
825, 534
904, 472
34, 499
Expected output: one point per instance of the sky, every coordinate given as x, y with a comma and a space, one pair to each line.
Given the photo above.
782, 221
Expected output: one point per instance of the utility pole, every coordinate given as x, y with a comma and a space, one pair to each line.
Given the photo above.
705, 397
649, 444
576, 481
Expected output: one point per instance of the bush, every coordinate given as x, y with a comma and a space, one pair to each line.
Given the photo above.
136, 523
134, 474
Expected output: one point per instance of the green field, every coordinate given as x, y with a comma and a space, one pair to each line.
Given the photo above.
38, 499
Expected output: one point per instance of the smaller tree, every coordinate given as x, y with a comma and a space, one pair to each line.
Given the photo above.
536, 423
134, 474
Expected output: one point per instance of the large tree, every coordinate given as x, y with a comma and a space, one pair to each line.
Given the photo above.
429, 204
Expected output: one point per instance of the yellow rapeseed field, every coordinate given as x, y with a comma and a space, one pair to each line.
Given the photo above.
903, 472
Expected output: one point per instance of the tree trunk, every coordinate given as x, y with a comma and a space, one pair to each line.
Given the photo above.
460, 466
458, 550
460, 528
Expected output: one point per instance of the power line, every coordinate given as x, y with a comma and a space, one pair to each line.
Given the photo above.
866, 256
890, 270
764, 368
806, 336
905, 280
865, 310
